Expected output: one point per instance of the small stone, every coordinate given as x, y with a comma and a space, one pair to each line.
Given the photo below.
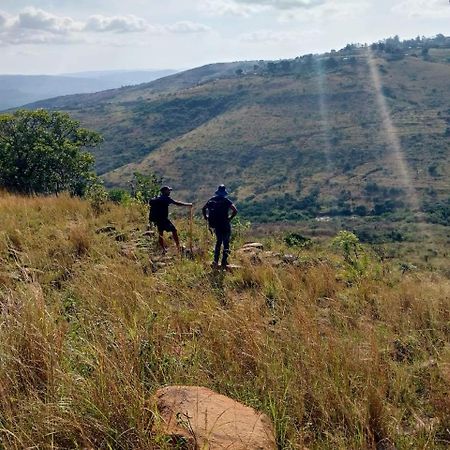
289, 259
248, 250
232, 267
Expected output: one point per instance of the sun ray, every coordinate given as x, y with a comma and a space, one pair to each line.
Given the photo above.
393, 141
324, 114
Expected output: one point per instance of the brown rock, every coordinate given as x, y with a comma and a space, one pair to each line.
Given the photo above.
232, 267
248, 250
289, 259
204, 419
257, 245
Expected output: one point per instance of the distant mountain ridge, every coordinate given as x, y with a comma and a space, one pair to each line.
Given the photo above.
314, 135
122, 77
17, 90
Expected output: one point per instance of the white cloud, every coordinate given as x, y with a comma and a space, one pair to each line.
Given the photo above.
117, 24
434, 9
246, 8
230, 7
36, 26
131, 24
332, 10
284, 4
187, 27
36, 19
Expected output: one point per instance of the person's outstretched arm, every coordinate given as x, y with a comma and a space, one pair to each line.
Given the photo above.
176, 202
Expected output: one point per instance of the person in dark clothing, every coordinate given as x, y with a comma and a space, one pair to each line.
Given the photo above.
159, 215
217, 212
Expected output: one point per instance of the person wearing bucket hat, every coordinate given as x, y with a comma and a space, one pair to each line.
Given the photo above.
159, 215
217, 212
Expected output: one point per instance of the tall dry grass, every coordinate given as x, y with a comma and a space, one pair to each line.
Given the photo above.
88, 332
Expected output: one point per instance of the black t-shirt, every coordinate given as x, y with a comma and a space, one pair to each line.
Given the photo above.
160, 206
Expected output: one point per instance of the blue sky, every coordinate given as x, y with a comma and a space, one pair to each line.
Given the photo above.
55, 36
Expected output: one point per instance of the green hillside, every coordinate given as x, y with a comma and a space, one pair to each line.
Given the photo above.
362, 131
121, 114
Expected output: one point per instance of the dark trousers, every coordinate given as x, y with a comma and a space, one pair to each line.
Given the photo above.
223, 235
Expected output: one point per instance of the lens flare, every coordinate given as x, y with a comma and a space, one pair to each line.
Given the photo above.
324, 114
393, 141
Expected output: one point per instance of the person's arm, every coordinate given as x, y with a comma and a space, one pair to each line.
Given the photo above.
234, 211
204, 209
177, 203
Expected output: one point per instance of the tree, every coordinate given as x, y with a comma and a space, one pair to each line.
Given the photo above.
285, 65
440, 39
331, 63
271, 67
145, 187
44, 152
393, 45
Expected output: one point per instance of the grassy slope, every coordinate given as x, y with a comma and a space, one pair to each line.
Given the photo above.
277, 139
118, 113
270, 135
338, 358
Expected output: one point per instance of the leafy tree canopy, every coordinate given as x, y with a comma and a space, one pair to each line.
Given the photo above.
145, 187
45, 152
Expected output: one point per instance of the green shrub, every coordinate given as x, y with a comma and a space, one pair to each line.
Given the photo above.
97, 196
119, 196
297, 240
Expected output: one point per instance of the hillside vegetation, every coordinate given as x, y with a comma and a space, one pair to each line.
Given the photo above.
341, 350
363, 131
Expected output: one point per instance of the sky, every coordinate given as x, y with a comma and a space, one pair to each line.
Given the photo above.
60, 36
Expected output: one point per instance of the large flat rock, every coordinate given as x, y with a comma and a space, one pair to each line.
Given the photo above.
208, 420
